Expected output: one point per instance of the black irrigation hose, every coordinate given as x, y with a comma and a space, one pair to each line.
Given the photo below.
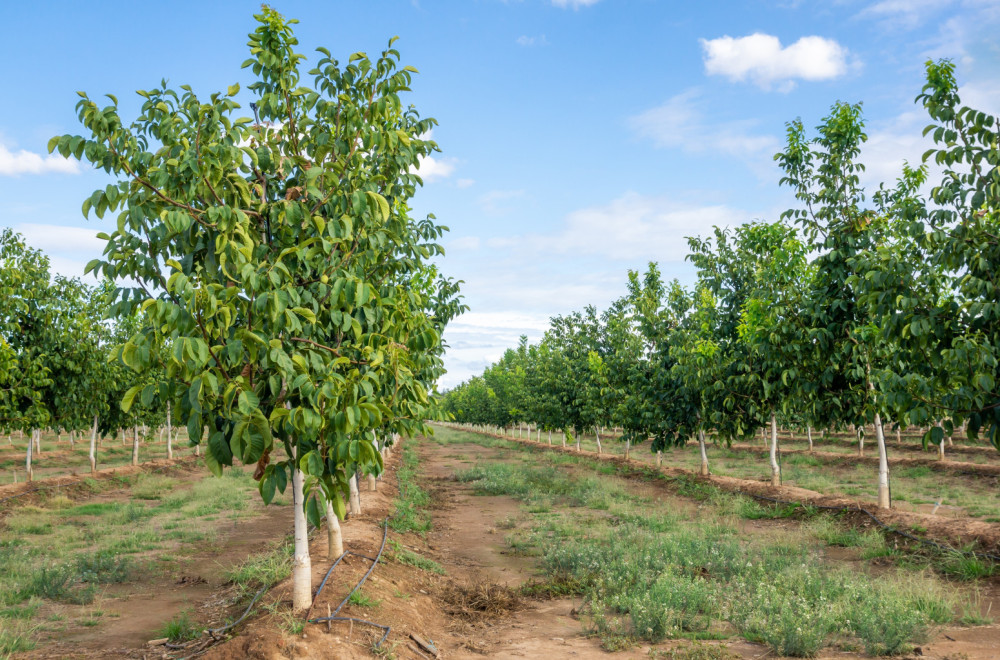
333, 615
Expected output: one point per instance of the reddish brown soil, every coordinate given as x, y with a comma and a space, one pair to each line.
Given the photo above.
468, 541
947, 465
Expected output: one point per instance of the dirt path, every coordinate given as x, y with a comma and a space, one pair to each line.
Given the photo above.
188, 578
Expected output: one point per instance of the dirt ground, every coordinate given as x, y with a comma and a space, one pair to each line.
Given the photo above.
467, 540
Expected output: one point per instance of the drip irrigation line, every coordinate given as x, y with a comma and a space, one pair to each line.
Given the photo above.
333, 614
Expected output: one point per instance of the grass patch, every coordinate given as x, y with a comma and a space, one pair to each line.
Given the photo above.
402, 555
181, 628
411, 505
359, 599
262, 570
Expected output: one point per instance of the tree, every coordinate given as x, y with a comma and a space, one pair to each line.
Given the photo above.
934, 289
273, 256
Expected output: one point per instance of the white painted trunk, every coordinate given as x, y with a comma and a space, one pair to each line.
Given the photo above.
941, 444
809, 433
334, 537
93, 446
135, 446
597, 435
775, 468
355, 495
564, 438
550, 436
861, 442
659, 458
628, 448
301, 562
371, 483
899, 437
27, 460
884, 501
170, 435
704, 452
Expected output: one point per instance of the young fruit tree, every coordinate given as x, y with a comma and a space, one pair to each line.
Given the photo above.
273, 256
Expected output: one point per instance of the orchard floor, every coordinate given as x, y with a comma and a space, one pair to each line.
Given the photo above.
423, 584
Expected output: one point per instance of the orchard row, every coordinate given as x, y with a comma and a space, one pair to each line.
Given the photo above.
851, 310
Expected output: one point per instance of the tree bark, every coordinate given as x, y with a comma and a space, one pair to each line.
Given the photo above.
27, 460
775, 468
597, 434
861, 442
301, 562
355, 495
809, 432
550, 437
135, 446
884, 500
334, 537
659, 458
704, 453
93, 446
170, 440
628, 447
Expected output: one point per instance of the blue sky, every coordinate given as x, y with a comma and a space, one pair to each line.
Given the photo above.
580, 138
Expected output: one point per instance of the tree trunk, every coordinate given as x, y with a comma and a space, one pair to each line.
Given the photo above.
659, 458
371, 483
135, 446
301, 562
564, 438
170, 439
884, 501
72, 439
334, 537
704, 453
27, 460
861, 442
550, 437
93, 446
37, 435
775, 468
628, 447
597, 434
899, 437
355, 495
809, 433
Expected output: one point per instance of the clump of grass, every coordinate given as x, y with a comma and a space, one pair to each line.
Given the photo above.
361, 600
262, 570
103, 568
181, 628
411, 505
403, 556
16, 637
965, 566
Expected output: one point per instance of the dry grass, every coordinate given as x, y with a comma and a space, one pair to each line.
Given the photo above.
482, 599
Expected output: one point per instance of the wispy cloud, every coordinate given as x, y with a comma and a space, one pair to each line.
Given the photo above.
465, 183
680, 123
20, 162
497, 202
434, 169
762, 59
526, 41
573, 4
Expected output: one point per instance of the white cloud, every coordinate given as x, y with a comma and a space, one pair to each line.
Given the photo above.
906, 14
434, 169
639, 228
525, 40
465, 243
58, 238
573, 4
762, 59
680, 124
465, 183
496, 202
16, 163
